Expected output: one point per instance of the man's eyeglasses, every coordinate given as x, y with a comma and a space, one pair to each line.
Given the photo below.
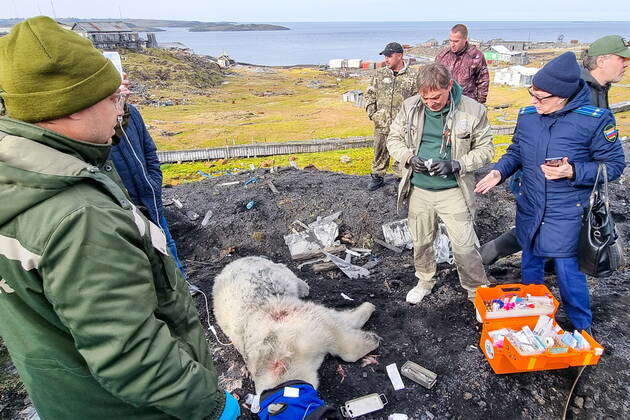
538, 98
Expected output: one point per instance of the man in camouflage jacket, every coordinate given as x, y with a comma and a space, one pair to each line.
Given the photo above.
466, 64
389, 87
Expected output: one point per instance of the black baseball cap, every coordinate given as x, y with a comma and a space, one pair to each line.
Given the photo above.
391, 48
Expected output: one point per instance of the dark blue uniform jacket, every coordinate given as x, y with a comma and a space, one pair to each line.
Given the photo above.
549, 212
134, 165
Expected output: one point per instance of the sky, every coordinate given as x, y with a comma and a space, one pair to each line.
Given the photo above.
322, 10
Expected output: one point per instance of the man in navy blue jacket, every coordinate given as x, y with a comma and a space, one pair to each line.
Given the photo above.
135, 157
561, 124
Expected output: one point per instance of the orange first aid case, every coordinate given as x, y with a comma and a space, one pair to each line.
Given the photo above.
507, 359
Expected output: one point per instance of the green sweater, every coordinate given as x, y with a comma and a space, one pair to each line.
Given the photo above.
95, 314
431, 143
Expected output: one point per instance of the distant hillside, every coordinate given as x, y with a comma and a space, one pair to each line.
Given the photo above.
154, 25
237, 27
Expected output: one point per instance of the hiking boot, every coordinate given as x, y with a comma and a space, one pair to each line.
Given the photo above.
376, 183
416, 294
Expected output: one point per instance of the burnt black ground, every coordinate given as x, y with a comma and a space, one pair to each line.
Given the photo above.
440, 334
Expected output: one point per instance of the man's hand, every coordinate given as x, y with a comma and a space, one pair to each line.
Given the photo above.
418, 165
124, 86
564, 170
488, 182
445, 167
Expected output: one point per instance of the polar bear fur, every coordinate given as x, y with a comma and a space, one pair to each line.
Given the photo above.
281, 338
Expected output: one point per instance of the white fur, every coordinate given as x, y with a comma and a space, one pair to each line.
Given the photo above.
281, 338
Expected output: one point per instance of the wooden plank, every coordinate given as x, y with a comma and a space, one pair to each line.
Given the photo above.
272, 187
323, 267
388, 246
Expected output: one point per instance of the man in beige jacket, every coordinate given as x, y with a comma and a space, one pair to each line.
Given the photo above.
442, 137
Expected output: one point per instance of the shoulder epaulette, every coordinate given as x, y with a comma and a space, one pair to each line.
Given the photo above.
591, 110
527, 110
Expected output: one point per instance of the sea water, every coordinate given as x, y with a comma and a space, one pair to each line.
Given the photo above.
319, 42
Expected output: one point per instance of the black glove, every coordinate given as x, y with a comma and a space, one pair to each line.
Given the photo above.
418, 165
445, 167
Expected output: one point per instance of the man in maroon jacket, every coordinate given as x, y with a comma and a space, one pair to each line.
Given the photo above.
466, 63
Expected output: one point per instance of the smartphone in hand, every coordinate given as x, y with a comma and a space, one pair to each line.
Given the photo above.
554, 161
115, 59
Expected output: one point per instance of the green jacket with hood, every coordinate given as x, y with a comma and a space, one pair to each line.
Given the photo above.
95, 314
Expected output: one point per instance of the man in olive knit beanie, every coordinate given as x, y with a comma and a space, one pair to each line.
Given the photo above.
95, 314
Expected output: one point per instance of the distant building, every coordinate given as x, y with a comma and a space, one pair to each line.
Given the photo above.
224, 61
497, 53
354, 63
112, 35
337, 63
511, 45
515, 76
430, 43
520, 58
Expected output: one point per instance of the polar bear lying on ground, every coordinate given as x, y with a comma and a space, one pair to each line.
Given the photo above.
282, 338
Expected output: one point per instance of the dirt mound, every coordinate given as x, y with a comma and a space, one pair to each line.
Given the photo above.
440, 334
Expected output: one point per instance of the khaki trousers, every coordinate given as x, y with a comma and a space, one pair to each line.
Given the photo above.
450, 207
380, 163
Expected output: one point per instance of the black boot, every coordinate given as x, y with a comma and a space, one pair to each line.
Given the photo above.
376, 182
502, 246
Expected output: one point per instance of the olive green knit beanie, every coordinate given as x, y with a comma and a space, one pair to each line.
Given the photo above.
47, 72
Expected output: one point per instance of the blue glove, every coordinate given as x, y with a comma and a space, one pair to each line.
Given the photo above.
232, 410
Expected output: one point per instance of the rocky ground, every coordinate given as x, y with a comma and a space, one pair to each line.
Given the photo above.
440, 334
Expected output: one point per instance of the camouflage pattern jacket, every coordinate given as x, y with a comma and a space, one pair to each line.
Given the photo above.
385, 95
470, 70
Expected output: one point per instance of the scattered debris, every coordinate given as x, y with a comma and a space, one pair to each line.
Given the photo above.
206, 218
345, 159
397, 234
370, 359
350, 270
309, 262
350, 251
250, 204
323, 267
227, 252
294, 164
202, 173
325, 230
178, 203
192, 215
272, 187
346, 297
388, 246
363, 405
442, 246
397, 416
227, 184
394, 377
371, 264
341, 373
419, 374
250, 181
